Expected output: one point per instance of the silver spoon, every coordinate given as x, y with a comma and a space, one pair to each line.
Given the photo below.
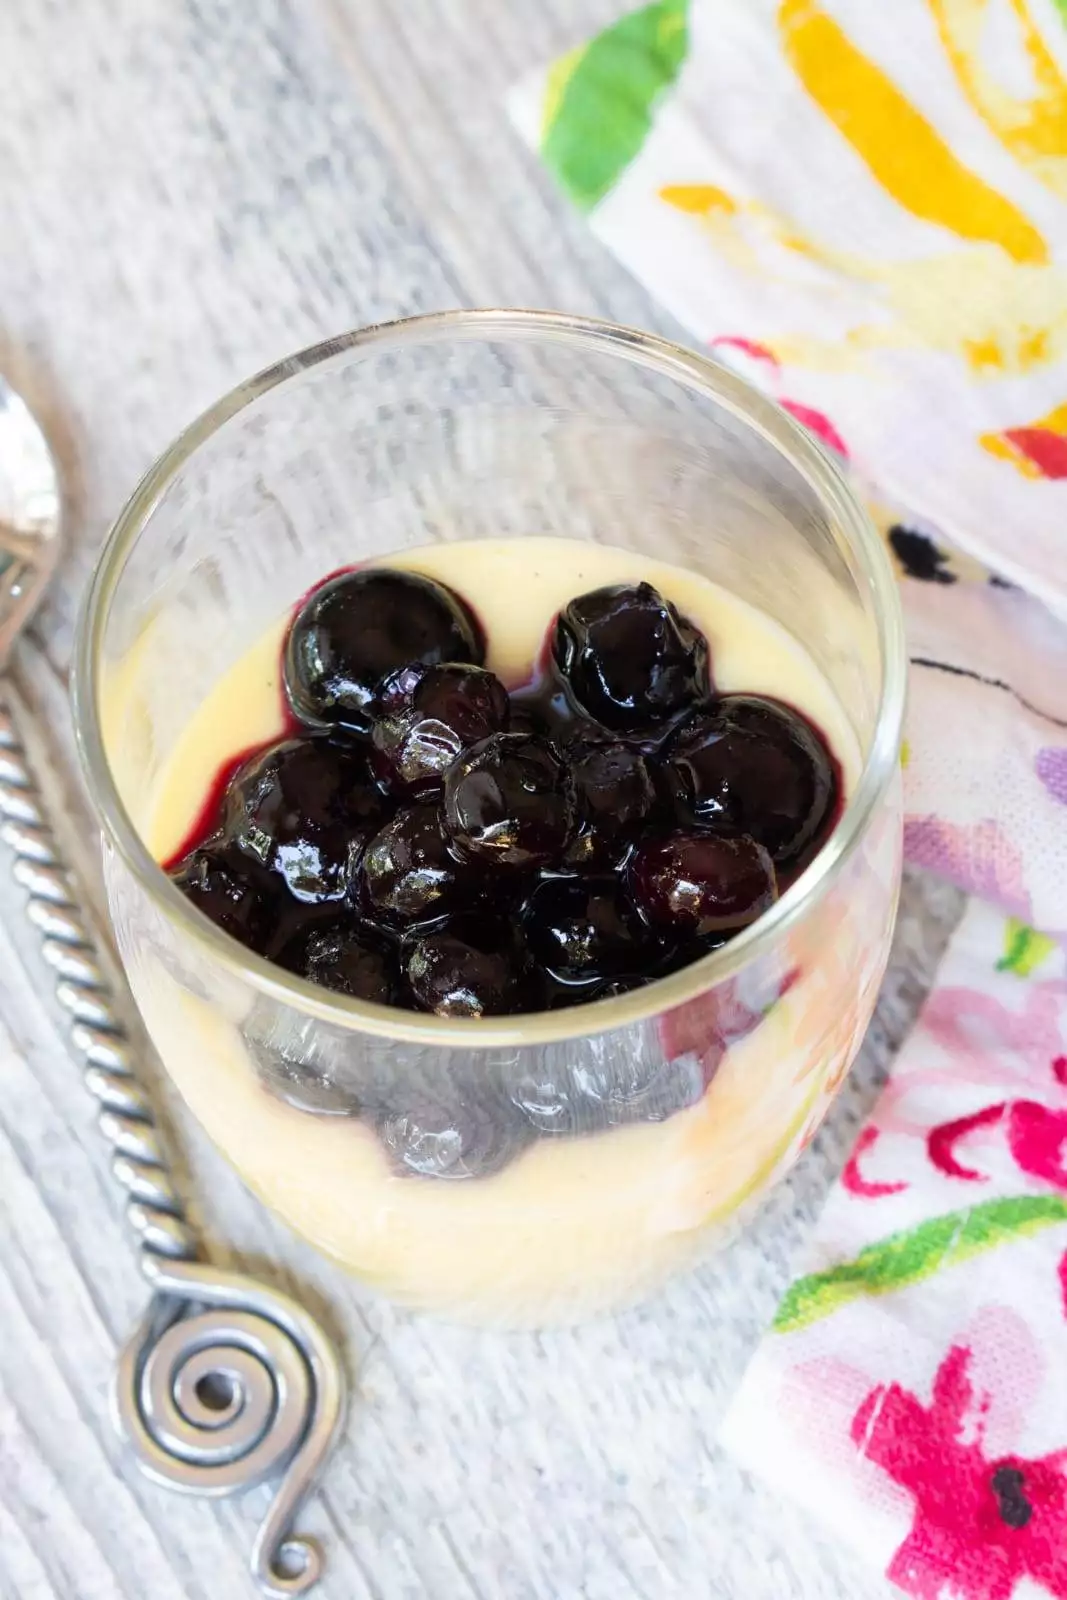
227, 1383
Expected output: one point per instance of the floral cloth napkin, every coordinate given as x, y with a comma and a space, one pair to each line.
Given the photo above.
913, 1389
864, 208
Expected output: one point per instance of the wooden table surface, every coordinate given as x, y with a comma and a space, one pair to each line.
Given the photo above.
188, 190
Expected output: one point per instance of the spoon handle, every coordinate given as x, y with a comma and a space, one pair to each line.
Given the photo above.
227, 1383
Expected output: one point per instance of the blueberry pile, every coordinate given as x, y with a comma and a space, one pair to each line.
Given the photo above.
425, 838
457, 1114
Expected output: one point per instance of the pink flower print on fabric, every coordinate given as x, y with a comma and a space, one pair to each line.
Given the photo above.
817, 423
853, 1180
941, 1141
1036, 1135
988, 1041
980, 858
767, 374
988, 1046
981, 1522
1051, 767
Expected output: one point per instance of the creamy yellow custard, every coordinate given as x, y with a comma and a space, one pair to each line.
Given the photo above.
571, 1223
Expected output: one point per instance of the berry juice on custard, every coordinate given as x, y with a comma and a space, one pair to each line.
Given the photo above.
486, 783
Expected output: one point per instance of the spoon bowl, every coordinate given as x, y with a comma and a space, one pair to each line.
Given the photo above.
30, 517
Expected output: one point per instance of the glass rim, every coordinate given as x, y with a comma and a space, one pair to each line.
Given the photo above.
692, 370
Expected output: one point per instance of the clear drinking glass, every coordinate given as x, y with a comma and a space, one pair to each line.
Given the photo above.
474, 425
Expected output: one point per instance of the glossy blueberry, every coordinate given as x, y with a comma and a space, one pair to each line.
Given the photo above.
555, 994
341, 956
510, 801
408, 873
237, 896
302, 809
441, 1135
754, 766
630, 658
442, 1114
545, 706
527, 866
690, 885
426, 719
285, 1064
470, 968
585, 930
357, 628
319, 1069
588, 1089
616, 800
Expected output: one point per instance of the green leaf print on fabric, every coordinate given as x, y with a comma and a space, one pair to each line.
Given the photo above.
918, 1253
600, 98
1024, 948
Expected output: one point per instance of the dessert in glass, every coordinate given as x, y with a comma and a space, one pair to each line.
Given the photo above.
494, 719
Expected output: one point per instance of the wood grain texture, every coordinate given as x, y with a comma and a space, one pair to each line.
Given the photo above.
189, 189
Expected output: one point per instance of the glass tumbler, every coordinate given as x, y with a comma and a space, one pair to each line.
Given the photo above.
638, 1125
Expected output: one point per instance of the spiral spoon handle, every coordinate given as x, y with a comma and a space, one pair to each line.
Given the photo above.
227, 1383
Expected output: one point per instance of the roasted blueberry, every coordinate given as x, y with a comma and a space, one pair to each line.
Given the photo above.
471, 968
631, 659
683, 955
555, 994
427, 719
292, 1059
441, 1135
315, 1066
616, 800
754, 766
358, 627
545, 706
341, 956
689, 885
584, 930
434, 842
408, 873
236, 894
443, 1113
303, 809
586, 1088
510, 801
